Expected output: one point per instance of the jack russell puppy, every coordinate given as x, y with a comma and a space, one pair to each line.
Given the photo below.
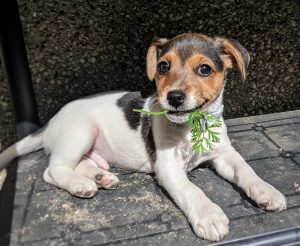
89, 134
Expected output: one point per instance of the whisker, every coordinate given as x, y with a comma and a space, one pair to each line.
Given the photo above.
153, 103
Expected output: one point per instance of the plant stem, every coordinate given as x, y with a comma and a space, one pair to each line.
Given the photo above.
148, 112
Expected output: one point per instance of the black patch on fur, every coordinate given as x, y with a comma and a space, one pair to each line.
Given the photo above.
128, 102
147, 93
186, 45
148, 138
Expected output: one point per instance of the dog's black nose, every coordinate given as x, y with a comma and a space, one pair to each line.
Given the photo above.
175, 98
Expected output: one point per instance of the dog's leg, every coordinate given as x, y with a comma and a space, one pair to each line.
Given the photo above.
66, 178
65, 156
89, 169
207, 219
231, 166
98, 160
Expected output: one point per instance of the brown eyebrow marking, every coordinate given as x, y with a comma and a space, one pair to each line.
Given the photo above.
198, 59
186, 46
164, 81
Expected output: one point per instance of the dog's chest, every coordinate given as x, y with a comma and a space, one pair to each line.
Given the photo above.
185, 152
190, 158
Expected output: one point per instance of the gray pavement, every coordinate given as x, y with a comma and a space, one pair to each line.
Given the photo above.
139, 212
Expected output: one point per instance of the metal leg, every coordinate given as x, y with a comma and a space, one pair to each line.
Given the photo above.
15, 64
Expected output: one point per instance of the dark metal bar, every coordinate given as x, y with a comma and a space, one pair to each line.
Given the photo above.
289, 236
16, 68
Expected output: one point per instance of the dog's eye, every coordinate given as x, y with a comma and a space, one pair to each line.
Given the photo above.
163, 67
204, 70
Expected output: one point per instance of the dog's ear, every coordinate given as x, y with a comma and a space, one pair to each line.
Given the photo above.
153, 55
236, 53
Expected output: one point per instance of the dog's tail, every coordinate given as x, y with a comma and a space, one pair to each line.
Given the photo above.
26, 145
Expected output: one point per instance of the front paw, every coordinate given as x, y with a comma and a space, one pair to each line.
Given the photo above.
210, 222
266, 196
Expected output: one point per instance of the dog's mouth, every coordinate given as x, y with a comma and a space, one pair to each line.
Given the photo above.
180, 112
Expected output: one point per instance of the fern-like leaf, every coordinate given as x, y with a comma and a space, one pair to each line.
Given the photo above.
203, 136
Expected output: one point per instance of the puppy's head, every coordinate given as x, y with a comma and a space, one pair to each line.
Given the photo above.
189, 71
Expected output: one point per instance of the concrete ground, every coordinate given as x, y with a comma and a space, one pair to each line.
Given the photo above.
139, 212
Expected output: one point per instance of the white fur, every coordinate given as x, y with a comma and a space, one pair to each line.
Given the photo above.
23, 147
72, 132
3, 175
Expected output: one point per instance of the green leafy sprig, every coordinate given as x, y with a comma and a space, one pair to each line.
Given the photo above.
202, 125
203, 136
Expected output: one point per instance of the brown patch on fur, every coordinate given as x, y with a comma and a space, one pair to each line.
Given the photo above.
184, 77
233, 49
151, 62
203, 88
234, 52
227, 61
173, 78
152, 56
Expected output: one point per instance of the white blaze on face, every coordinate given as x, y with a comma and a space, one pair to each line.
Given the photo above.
189, 103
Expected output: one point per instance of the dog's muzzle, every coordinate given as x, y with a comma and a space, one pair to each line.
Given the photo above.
182, 116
